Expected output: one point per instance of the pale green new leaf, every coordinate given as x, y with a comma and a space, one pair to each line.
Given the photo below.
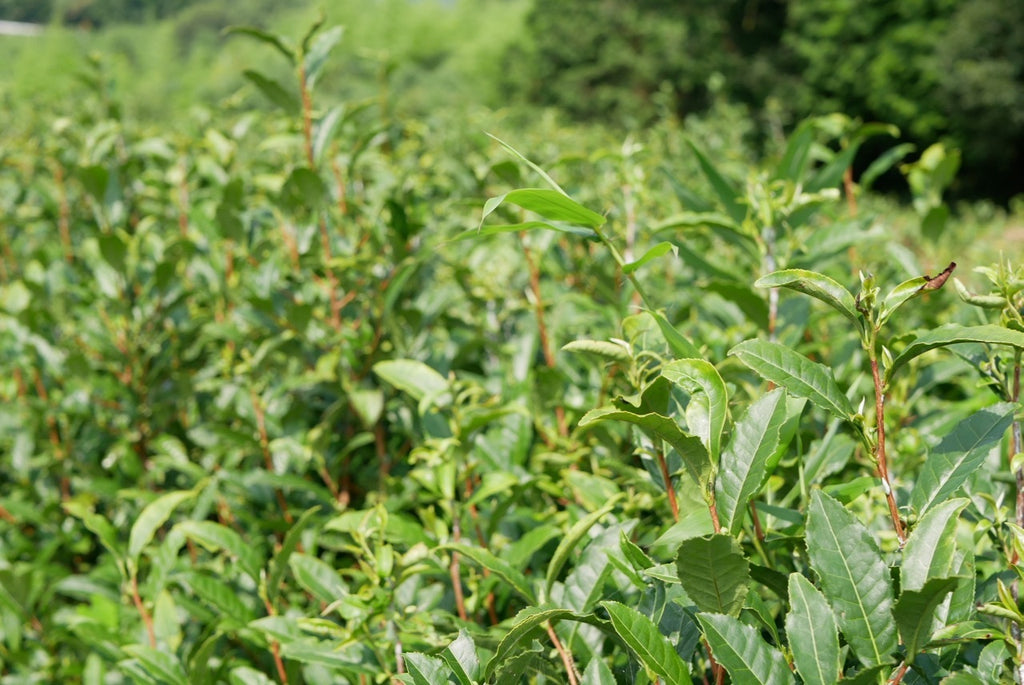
601, 348
550, 204
651, 647
414, 378
959, 454
816, 285
898, 296
658, 250
796, 373
931, 546
813, 633
274, 91
914, 611
727, 193
495, 229
461, 658
516, 580
318, 52
681, 347
714, 573
743, 653
153, 515
708, 394
522, 158
854, 578
951, 334
743, 467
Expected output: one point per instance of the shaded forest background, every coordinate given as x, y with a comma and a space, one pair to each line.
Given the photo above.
950, 70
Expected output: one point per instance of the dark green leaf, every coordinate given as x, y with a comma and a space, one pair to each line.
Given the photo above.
931, 546
516, 580
714, 573
854, 578
915, 610
651, 647
813, 634
709, 401
816, 285
951, 334
742, 651
274, 91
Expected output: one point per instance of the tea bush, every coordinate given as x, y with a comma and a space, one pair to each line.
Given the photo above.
328, 395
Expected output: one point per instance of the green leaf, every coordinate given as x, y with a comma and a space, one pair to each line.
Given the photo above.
303, 189
793, 164
325, 130
215, 537
571, 539
813, 634
516, 580
726, 192
960, 454
740, 649
274, 91
523, 628
709, 400
743, 468
886, 161
279, 564
279, 42
550, 204
597, 673
689, 447
653, 649
714, 573
475, 233
658, 250
98, 526
930, 549
898, 296
317, 577
601, 348
854, 578
796, 373
154, 515
161, 666
317, 54
915, 610
461, 658
951, 334
816, 285
415, 378
220, 595
518, 155
681, 347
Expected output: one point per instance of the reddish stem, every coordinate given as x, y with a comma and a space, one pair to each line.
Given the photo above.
881, 461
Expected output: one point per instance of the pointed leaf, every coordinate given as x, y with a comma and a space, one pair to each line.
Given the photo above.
516, 580
951, 334
740, 649
523, 628
317, 577
572, 538
154, 515
274, 91
597, 673
601, 348
743, 468
413, 377
324, 131
460, 656
813, 634
714, 573
689, 447
161, 666
793, 164
276, 40
216, 537
726, 192
931, 548
318, 52
681, 347
550, 204
100, 527
854, 578
651, 647
220, 595
279, 564
476, 233
915, 610
518, 155
658, 250
707, 394
959, 455
796, 373
816, 285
